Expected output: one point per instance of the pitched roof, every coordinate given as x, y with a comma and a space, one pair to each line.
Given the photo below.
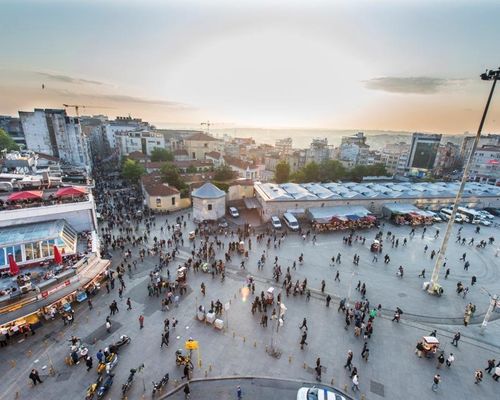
154, 164
154, 186
201, 137
192, 163
181, 152
236, 162
208, 191
137, 156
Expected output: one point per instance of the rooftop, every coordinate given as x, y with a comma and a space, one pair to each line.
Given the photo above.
201, 137
208, 191
154, 186
213, 154
238, 163
371, 190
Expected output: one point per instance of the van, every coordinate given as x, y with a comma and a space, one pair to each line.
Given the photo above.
234, 212
275, 222
291, 221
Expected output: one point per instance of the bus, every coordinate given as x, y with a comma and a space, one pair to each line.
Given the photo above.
445, 213
469, 215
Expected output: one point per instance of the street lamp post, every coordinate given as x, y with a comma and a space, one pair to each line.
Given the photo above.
491, 75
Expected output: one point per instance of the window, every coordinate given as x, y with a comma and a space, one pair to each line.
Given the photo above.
16, 252
173, 200
158, 202
28, 251
209, 207
3, 257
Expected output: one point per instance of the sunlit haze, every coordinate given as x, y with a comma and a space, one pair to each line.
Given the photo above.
385, 65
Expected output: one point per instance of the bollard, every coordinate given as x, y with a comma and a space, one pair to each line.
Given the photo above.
254, 343
332, 382
17, 395
95, 340
229, 301
345, 387
305, 366
289, 359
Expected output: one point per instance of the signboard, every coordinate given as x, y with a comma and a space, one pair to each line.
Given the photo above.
47, 293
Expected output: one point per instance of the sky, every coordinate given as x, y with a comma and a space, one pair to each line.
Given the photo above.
356, 64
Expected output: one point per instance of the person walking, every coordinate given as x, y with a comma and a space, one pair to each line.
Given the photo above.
187, 391
365, 353
435, 383
323, 283
186, 371
89, 302
328, 299
355, 383
304, 324
348, 363
108, 326
303, 340
141, 321
496, 373
337, 276
35, 377
129, 304
491, 365
238, 392
422, 274
440, 361
88, 362
450, 360
455, 340
164, 338
478, 376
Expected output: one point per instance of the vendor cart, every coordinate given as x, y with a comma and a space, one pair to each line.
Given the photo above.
181, 276
270, 295
192, 235
430, 346
241, 247
375, 247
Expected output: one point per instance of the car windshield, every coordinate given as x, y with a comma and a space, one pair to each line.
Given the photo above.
312, 394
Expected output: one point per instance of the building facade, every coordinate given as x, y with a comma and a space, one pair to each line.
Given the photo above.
423, 152
14, 128
198, 144
142, 140
485, 166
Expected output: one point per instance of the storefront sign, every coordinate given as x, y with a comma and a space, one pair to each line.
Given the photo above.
47, 293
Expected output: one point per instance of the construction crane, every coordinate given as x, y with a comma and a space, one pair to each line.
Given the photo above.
207, 124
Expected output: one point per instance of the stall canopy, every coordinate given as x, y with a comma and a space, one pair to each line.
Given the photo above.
403, 209
327, 214
71, 191
26, 195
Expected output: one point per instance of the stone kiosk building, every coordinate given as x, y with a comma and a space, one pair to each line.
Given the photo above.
209, 202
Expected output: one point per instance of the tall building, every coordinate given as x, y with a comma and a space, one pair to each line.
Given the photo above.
13, 127
318, 151
395, 157
485, 166
447, 159
284, 146
54, 133
142, 140
468, 142
423, 152
354, 150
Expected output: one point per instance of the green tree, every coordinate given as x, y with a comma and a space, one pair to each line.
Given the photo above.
6, 142
192, 169
159, 154
311, 172
282, 173
224, 173
132, 170
170, 174
331, 170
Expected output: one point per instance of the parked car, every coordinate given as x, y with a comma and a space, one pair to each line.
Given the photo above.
493, 211
314, 393
485, 214
484, 222
233, 211
275, 222
222, 223
291, 221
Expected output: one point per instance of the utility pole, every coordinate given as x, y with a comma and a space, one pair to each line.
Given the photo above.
491, 308
433, 284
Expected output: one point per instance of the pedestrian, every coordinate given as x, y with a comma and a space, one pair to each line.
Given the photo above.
187, 391
478, 376
108, 326
304, 324
318, 372
100, 356
435, 383
422, 274
88, 362
440, 361
323, 286
447, 273
186, 371
450, 360
433, 333
303, 340
328, 299
365, 352
35, 377
141, 321
491, 365
355, 383
238, 392
337, 276
89, 302
348, 363
456, 338
129, 304
496, 373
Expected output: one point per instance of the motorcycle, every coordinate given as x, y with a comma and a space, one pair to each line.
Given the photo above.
104, 387
126, 386
124, 339
92, 389
108, 365
157, 387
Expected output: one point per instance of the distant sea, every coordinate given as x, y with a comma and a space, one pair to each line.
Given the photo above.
302, 137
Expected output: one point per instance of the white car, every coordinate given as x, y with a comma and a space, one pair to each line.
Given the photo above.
234, 212
275, 222
486, 214
484, 222
315, 393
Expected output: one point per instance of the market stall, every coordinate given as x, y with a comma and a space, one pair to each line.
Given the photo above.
407, 214
340, 218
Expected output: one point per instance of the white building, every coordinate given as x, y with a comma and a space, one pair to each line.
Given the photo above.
485, 166
354, 150
209, 203
142, 140
318, 151
54, 133
121, 124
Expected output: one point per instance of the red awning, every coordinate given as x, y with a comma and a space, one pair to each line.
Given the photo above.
26, 195
13, 267
71, 191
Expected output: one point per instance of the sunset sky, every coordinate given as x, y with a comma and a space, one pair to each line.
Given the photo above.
391, 65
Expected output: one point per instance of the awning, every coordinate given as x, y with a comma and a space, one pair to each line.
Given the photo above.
251, 203
353, 217
71, 191
26, 195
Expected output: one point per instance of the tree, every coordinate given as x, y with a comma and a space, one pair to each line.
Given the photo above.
311, 172
282, 173
132, 170
192, 169
6, 142
331, 170
171, 175
159, 154
224, 173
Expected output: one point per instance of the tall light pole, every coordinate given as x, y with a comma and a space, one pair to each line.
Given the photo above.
491, 75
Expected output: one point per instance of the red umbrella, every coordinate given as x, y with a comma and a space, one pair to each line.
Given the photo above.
71, 191
26, 195
13, 267
57, 256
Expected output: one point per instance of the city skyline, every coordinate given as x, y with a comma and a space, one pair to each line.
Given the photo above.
405, 66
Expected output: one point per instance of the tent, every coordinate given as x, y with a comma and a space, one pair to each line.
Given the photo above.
26, 195
71, 191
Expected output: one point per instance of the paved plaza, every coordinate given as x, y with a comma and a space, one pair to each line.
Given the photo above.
391, 372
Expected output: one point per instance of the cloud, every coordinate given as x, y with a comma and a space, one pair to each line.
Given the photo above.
68, 79
419, 84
